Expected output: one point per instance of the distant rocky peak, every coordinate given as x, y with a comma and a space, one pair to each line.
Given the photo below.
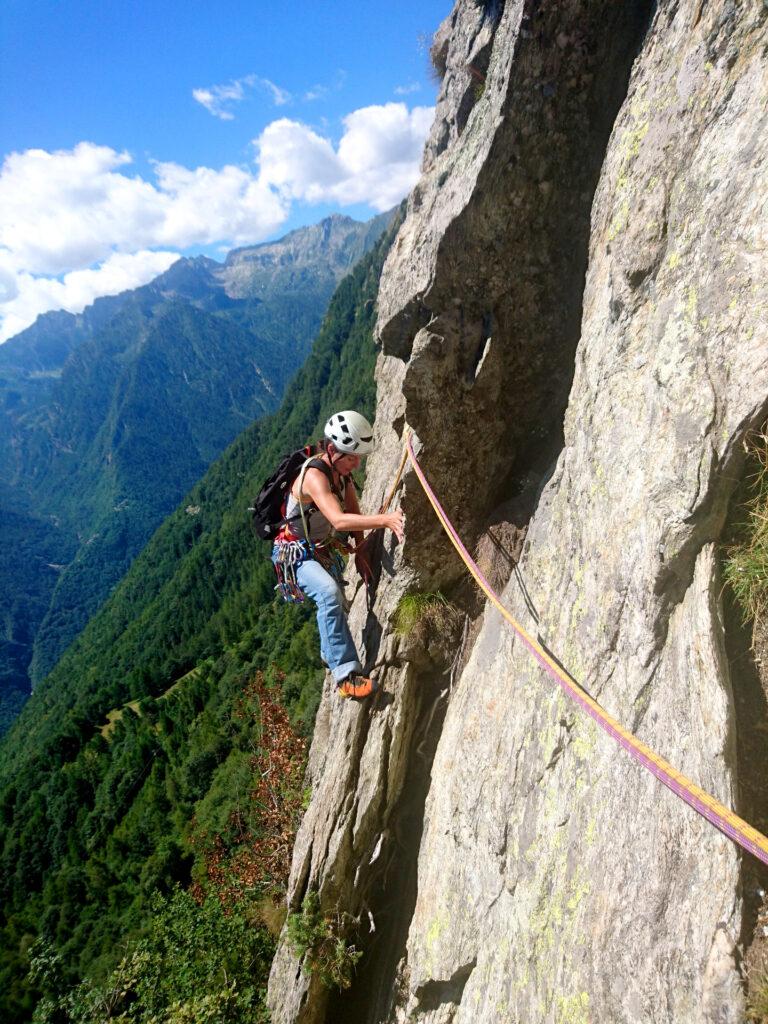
191, 278
46, 344
317, 254
301, 243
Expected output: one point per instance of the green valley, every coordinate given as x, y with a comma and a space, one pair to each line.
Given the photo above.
129, 771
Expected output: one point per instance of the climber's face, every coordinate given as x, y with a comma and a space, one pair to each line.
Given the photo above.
347, 463
343, 462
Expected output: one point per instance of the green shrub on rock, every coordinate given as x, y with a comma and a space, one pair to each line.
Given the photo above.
320, 939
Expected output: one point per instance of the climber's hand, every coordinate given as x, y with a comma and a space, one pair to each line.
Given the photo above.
395, 521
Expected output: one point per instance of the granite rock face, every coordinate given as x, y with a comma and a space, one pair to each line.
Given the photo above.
574, 325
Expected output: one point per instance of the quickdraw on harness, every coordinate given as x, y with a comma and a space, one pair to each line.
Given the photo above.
288, 556
290, 552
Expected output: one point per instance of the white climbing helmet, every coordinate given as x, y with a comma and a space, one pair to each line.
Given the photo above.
350, 433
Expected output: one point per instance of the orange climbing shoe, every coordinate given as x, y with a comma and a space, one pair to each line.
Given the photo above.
357, 687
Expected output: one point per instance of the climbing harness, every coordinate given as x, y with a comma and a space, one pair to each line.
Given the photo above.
715, 812
290, 552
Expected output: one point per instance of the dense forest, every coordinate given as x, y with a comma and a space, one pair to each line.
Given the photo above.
127, 809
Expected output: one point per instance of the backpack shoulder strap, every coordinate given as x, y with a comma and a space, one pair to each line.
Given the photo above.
312, 463
327, 472
316, 463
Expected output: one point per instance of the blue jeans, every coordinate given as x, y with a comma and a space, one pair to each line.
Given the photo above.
336, 644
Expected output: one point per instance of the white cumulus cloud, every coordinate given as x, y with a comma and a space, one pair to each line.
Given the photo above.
76, 210
67, 209
376, 161
79, 223
78, 289
205, 206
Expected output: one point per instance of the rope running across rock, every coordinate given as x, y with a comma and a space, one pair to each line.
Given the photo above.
716, 813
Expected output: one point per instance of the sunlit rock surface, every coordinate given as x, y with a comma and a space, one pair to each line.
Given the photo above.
573, 322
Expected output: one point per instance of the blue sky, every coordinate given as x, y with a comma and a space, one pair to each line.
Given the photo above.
131, 132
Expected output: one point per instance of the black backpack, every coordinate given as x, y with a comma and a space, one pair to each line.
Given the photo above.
268, 509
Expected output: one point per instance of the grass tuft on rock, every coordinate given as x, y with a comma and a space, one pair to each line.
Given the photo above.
320, 939
746, 561
757, 999
430, 610
438, 59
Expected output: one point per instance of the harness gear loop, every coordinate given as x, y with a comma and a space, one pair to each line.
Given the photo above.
288, 556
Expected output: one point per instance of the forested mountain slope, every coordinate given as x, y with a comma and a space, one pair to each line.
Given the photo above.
108, 417
94, 820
